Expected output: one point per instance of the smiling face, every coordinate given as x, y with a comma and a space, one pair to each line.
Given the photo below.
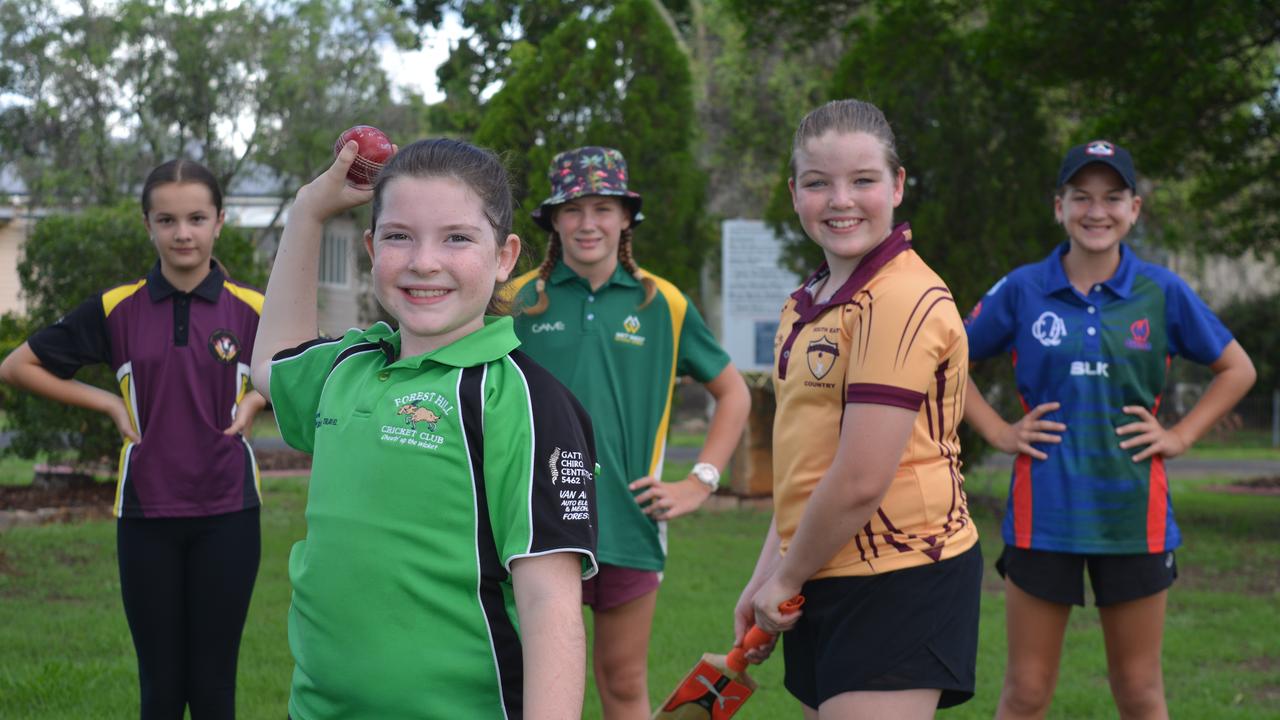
183, 223
844, 193
590, 229
1097, 209
436, 260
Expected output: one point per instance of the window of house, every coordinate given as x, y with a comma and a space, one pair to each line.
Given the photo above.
334, 258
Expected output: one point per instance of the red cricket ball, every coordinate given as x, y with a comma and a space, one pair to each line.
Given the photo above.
374, 151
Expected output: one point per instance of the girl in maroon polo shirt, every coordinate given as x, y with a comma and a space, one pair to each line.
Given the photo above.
187, 498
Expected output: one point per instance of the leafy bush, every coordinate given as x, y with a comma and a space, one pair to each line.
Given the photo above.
67, 259
1253, 323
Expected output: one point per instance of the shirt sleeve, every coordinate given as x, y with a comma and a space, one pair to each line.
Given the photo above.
898, 341
80, 338
298, 376
540, 473
698, 354
992, 323
1195, 332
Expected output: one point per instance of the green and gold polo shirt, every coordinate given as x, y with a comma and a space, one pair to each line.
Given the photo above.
621, 361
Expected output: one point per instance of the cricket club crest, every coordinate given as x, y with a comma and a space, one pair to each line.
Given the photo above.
415, 414
224, 346
822, 354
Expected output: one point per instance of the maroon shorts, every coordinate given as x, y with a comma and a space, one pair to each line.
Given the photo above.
614, 586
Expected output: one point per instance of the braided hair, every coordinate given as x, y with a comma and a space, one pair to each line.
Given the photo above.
555, 251
629, 264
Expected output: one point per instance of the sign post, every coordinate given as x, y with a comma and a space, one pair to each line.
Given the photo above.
754, 286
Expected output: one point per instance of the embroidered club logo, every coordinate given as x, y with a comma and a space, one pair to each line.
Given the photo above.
821, 355
1101, 148
417, 408
224, 346
415, 414
1139, 335
630, 333
1049, 329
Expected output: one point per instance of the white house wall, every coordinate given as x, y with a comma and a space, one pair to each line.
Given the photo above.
12, 236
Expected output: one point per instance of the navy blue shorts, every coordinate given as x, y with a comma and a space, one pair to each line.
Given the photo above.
904, 630
1059, 577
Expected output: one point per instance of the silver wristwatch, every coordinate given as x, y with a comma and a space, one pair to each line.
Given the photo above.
708, 475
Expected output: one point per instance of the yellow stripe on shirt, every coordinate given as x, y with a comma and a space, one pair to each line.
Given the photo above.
678, 306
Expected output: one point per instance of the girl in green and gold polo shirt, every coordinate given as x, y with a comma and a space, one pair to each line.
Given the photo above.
619, 337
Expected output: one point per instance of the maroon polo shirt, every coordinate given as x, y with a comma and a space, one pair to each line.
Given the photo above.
181, 361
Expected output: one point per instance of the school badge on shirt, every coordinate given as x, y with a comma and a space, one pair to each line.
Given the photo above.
224, 346
822, 354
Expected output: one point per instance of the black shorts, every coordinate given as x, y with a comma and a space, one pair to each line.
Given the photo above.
904, 630
1059, 577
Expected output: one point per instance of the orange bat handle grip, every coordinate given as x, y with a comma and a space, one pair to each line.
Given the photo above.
755, 637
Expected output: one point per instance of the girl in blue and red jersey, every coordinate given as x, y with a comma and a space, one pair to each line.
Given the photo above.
187, 499
1092, 330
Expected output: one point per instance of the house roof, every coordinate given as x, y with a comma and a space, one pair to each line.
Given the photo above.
251, 199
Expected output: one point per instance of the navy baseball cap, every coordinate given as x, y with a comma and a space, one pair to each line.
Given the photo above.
1098, 151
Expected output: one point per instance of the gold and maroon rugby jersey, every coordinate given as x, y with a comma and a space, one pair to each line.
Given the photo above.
890, 336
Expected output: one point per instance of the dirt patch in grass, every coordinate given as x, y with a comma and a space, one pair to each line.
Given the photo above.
283, 460
1260, 579
35, 497
1252, 486
58, 495
1268, 667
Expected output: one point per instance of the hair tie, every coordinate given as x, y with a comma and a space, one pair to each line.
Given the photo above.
541, 285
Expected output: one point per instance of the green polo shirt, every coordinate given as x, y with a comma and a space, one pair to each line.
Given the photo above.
621, 362
431, 474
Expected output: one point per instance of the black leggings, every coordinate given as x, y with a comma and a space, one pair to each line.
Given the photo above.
186, 584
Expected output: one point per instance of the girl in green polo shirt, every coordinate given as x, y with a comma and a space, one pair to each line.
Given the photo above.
619, 337
451, 508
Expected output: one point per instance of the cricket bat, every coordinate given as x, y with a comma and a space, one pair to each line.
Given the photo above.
718, 685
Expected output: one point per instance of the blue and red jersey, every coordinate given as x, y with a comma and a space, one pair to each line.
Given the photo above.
1094, 353
181, 361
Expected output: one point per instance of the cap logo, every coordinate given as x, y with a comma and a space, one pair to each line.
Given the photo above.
1101, 148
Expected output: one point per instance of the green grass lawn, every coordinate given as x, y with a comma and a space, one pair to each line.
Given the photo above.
65, 649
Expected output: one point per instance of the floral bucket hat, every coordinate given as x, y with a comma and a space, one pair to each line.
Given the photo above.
584, 171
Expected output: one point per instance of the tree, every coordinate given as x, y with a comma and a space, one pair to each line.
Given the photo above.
70, 258
614, 77
1192, 89
97, 96
743, 90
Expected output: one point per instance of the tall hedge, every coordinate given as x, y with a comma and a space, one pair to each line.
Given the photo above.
614, 77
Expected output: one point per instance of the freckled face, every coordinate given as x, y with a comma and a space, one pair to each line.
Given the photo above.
1097, 209
844, 194
436, 260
